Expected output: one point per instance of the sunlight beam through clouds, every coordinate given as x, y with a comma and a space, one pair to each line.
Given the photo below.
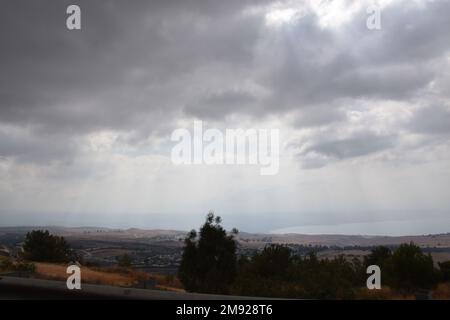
86, 117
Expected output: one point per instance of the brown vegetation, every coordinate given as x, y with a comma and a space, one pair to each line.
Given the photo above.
384, 293
442, 291
113, 276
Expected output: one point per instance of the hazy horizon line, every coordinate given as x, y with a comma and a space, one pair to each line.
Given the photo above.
272, 233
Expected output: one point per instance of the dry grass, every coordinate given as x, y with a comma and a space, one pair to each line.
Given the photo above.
168, 282
113, 276
385, 293
164, 281
442, 291
6, 264
58, 272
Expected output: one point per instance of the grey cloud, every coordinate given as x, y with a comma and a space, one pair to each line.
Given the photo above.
27, 148
125, 50
126, 70
219, 105
431, 120
357, 145
411, 32
137, 66
318, 115
353, 62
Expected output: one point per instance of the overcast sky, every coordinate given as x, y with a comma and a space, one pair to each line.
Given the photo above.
364, 115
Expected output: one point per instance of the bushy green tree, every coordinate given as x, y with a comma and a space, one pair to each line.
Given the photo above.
267, 273
208, 262
274, 261
276, 272
378, 256
382, 257
411, 269
41, 246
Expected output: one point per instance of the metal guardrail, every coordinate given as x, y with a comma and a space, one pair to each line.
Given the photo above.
29, 288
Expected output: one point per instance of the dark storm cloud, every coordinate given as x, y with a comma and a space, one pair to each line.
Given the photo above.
110, 74
138, 65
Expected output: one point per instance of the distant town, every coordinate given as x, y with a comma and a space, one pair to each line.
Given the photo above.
160, 251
